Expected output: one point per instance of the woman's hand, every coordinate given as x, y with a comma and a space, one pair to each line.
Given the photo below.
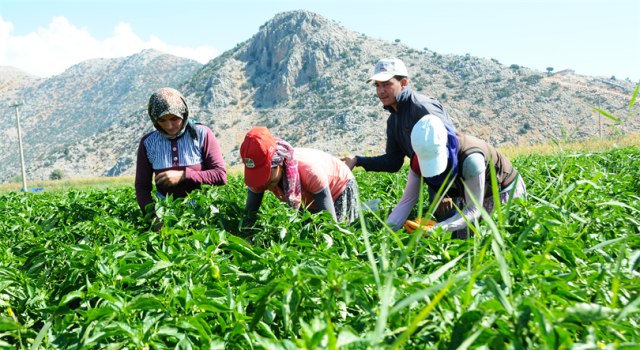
170, 177
445, 206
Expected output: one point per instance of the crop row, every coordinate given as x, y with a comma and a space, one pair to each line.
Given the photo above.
559, 269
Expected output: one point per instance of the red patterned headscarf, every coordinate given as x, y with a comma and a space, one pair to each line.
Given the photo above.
292, 187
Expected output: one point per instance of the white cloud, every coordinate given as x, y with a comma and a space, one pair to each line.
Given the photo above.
51, 50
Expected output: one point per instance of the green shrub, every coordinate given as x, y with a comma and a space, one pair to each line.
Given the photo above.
15, 179
56, 174
503, 92
532, 79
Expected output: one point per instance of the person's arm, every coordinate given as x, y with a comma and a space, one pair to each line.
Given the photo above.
213, 170
389, 162
324, 201
143, 181
409, 199
251, 207
475, 188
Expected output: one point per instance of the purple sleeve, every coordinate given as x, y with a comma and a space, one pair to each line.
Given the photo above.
214, 172
144, 176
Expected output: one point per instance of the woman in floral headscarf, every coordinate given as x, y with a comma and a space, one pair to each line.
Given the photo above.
181, 153
300, 177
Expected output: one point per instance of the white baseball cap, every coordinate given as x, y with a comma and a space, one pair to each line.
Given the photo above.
387, 68
429, 141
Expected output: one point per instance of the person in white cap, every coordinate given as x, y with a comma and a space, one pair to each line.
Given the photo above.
441, 152
406, 108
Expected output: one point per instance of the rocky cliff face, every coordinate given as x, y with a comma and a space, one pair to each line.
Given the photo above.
85, 99
303, 76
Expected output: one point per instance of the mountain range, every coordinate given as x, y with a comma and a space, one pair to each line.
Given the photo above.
303, 76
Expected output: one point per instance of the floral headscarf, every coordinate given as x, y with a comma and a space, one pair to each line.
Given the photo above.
170, 101
292, 187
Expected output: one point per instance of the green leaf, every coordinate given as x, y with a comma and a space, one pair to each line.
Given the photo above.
421, 316
502, 263
7, 324
605, 114
630, 308
499, 294
633, 98
69, 297
605, 243
146, 273
562, 210
146, 302
589, 312
214, 306
41, 334
619, 204
432, 277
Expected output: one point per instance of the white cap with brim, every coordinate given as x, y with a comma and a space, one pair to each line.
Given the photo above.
429, 141
388, 68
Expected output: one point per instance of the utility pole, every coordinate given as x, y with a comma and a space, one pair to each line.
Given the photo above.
24, 171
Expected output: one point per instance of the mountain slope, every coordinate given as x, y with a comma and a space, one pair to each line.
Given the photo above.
14, 80
87, 97
304, 76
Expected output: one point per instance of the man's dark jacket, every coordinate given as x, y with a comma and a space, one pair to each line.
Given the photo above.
411, 107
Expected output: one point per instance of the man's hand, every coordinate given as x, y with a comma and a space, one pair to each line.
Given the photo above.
170, 177
445, 206
350, 161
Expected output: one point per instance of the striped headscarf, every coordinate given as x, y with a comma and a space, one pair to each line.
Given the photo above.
170, 101
292, 187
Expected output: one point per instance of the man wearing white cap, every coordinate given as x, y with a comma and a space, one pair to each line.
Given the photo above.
406, 108
441, 152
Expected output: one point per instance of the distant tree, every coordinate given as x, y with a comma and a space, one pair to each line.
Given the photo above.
56, 174
527, 126
426, 49
17, 178
397, 40
495, 60
514, 66
613, 77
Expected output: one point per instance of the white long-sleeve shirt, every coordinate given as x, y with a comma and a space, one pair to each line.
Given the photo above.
473, 169
475, 187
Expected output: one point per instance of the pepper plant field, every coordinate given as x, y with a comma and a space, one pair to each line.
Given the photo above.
557, 270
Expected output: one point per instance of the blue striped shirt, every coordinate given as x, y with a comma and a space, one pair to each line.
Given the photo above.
189, 150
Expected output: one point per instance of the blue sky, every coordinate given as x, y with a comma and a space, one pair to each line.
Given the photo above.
592, 37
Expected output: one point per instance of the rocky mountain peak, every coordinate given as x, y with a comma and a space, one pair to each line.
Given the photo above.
290, 50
